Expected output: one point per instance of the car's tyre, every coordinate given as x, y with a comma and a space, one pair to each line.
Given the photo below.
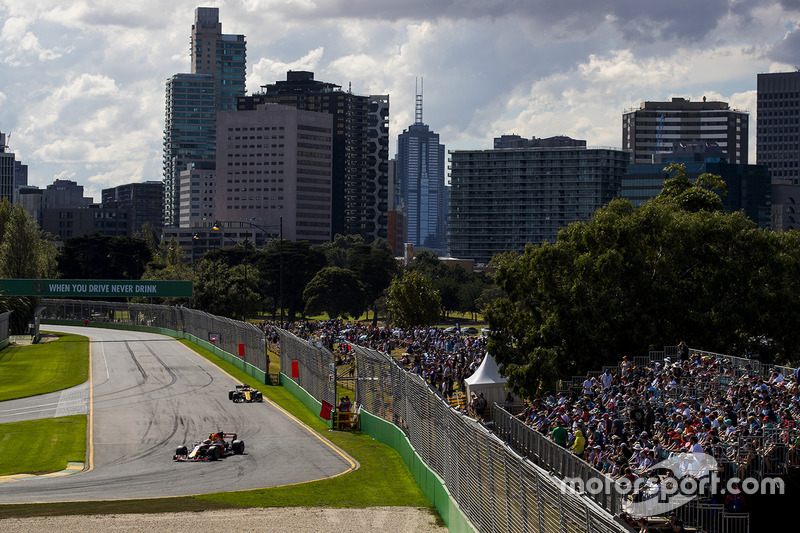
238, 447
181, 450
213, 453
231, 394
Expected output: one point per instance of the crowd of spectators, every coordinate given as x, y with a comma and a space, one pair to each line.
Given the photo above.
623, 421
444, 359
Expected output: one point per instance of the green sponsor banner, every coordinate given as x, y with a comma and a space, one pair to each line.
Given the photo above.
96, 288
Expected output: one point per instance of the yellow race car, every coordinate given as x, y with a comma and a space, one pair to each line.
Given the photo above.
245, 393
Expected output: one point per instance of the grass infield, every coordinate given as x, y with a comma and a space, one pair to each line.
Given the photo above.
42, 446
41, 368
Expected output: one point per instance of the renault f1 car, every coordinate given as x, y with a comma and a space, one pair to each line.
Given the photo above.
245, 393
216, 446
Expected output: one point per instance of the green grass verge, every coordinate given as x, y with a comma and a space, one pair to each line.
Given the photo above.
47, 367
42, 446
381, 480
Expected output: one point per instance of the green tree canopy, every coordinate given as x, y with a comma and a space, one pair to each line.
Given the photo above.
412, 301
631, 280
25, 252
290, 265
335, 291
97, 256
336, 252
375, 266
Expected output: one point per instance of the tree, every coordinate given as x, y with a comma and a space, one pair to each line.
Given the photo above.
469, 296
412, 301
335, 291
97, 256
168, 264
25, 252
225, 290
375, 266
290, 266
336, 252
635, 279
680, 192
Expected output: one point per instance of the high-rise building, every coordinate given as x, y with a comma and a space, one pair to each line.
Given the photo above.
778, 126
220, 55
747, 186
274, 166
778, 142
189, 134
420, 175
199, 194
7, 162
396, 224
656, 126
500, 200
217, 79
359, 189
144, 201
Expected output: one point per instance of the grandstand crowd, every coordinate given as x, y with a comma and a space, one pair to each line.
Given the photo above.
444, 359
628, 418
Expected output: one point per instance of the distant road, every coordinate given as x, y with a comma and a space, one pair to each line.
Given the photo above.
150, 394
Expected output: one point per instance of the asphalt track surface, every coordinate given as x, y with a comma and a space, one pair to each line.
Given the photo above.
149, 394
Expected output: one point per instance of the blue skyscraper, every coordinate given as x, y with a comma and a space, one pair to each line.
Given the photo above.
420, 174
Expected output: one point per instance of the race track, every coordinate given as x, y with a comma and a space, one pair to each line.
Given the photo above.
150, 394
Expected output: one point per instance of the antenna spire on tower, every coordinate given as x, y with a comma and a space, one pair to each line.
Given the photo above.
418, 109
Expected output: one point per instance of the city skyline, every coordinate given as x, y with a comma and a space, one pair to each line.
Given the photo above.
83, 85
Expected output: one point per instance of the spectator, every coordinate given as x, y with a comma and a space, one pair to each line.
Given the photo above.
734, 501
578, 443
683, 351
559, 434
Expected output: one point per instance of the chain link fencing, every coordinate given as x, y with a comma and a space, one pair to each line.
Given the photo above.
4, 329
242, 339
309, 364
495, 487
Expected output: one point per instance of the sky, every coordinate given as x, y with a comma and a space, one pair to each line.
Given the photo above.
82, 82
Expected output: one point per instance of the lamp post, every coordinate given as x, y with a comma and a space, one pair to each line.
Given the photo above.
265, 229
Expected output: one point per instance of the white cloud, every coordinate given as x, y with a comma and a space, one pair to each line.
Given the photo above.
269, 71
21, 46
95, 110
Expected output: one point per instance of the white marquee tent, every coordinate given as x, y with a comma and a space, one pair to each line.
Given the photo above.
487, 380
